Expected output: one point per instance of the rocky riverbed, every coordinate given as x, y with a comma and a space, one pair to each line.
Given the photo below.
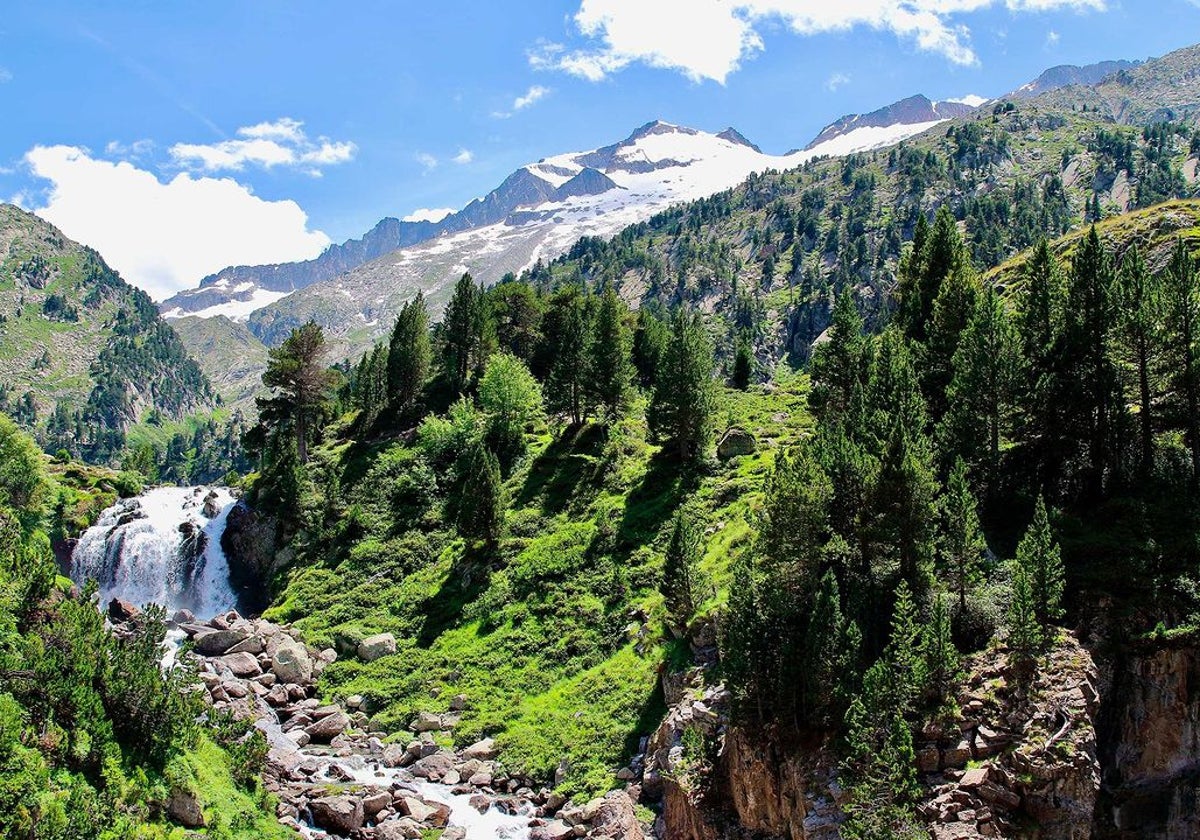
335, 776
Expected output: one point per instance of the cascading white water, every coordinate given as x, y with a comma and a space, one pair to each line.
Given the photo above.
163, 547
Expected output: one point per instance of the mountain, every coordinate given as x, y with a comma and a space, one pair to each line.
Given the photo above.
536, 214
83, 355
890, 124
231, 356
1065, 75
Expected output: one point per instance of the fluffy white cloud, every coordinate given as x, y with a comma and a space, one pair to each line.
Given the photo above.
267, 144
972, 99
428, 214
426, 160
164, 237
526, 100
464, 156
836, 81
720, 34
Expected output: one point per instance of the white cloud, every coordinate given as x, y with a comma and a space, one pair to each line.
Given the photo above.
720, 34
972, 99
464, 156
426, 160
164, 237
428, 214
535, 93
267, 144
836, 81
5, 75
1052, 39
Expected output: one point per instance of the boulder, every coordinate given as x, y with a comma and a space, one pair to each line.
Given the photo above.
736, 442
328, 727
429, 813
433, 767
339, 814
253, 643
219, 642
120, 611
183, 617
484, 750
374, 647
241, 664
184, 808
426, 722
405, 828
615, 818
555, 830
376, 802
393, 755
292, 664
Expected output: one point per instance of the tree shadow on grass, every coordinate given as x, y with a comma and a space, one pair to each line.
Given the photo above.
655, 500
568, 463
465, 582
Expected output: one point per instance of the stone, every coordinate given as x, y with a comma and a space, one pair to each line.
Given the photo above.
433, 767
394, 755
253, 643
120, 611
354, 701
292, 664
480, 803
299, 737
241, 664
484, 750
183, 617
376, 802
553, 830
928, 759
374, 647
481, 779
183, 807
219, 642
956, 756
736, 442
998, 795
458, 702
430, 813
328, 727
973, 778
339, 814
452, 777
426, 722
405, 828
615, 818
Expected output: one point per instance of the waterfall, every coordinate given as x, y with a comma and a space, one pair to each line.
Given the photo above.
163, 547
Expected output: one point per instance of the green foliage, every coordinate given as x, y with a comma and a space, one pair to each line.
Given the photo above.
481, 501
682, 407
1040, 558
301, 386
610, 363
683, 585
408, 355
512, 400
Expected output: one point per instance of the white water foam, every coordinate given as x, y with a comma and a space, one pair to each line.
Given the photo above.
137, 551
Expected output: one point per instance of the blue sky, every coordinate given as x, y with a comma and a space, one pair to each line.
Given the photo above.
178, 137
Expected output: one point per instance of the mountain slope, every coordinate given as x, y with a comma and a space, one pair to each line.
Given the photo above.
1071, 74
232, 357
83, 354
913, 111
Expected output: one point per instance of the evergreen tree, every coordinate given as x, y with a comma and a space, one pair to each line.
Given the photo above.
408, 355
906, 664
1040, 557
512, 399
1041, 307
826, 661
611, 370
1024, 633
795, 522
370, 386
911, 271
650, 340
745, 645
300, 383
953, 309
980, 396
743, 362
481, 503
463, 335
1182, 303
839, 365
567, 391
682, 407
1139, 307
962, 541
941, 657
684, 586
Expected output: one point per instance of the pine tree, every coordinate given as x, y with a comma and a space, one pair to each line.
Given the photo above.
1041, 307
611, 369
825, 661
481, 504
1182, 297
979, 398
796, 507
1024, 633
682, 407
903, 654
684, 585
408, 355
567, 385
953, 309
1139, 307
962, 541
911, 270
650, 340
463, 329
1041, 559
743, 362
839, 366
942, 660
301, 385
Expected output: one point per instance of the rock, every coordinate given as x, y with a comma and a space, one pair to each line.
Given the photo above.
184, 808
452, 777
355, 701
433, 767
555, 830
299, 737
458, 702
373, 647
253, 643
376, 802
120, 611
219, 642
481, 779
241, 664
328, 727
736, 442
210, 508
401, 829
430, 813
292, 664
484, 750
394, 755
426, 722
183, 617
339, 814
480, 803
615, 818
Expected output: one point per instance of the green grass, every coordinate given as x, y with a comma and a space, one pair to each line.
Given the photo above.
557, 643
231, 813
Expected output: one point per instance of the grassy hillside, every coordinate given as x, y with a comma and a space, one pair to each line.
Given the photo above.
232, 357
83, 355
558, 644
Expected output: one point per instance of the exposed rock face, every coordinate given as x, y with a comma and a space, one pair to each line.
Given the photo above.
249, 545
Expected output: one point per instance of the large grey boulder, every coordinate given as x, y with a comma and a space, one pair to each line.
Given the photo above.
339, 814
374, 647
241, 664
219, 642
736, 442
292, 664
328, 727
